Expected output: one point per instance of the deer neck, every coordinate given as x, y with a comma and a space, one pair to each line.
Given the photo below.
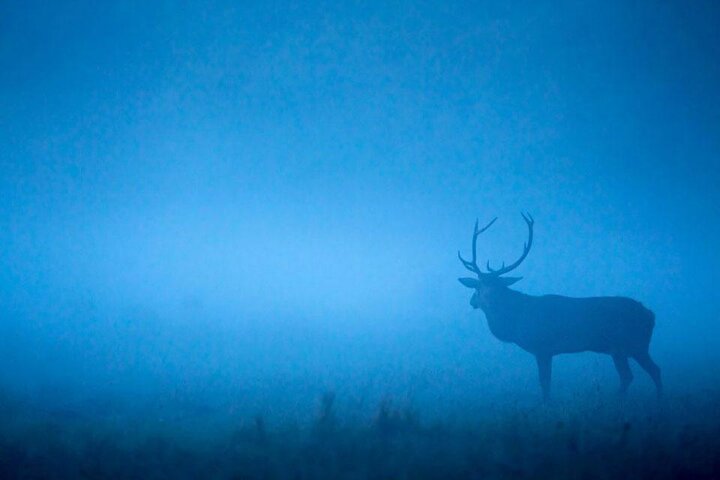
503, 310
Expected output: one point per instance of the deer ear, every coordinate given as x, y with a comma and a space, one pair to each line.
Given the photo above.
507, 281
469, 282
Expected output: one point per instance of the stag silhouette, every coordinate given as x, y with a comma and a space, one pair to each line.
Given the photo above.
549, 325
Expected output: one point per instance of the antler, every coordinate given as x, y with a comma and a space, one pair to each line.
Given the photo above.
472, 265
526, 249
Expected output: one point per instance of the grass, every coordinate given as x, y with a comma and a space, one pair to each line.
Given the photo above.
679, 438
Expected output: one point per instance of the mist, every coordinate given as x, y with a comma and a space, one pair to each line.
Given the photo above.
237, 208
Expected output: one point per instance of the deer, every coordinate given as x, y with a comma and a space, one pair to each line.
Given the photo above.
549, 325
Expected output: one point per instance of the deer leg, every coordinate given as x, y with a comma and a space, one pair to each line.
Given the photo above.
544, 363
623, 369
652, 369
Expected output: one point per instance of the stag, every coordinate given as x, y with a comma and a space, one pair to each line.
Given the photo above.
549, 325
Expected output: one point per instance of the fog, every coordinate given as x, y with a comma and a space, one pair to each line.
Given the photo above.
245, 205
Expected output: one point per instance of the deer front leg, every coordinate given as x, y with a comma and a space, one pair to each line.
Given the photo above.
544, 363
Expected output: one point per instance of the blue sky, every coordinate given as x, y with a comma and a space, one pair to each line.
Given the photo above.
323, 162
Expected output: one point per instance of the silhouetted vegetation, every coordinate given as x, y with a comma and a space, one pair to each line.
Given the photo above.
678, 439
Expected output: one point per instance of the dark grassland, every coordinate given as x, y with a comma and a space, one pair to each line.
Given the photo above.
678, 438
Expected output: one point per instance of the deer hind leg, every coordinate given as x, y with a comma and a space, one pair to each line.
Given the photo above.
544, 363
652, 369
623, 369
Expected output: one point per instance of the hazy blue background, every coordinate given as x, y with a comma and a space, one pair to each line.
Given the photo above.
265, 199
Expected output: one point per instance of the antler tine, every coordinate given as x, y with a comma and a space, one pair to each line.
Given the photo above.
492, 270
485, 227
472, 264
530, 221
469, 265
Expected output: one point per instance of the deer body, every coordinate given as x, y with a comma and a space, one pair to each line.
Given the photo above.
549, 325
555, 324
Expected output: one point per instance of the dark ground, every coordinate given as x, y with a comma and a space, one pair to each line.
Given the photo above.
595, 438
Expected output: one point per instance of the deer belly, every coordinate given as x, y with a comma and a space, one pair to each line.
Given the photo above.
607, 336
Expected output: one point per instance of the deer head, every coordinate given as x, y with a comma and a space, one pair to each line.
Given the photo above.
490, 281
